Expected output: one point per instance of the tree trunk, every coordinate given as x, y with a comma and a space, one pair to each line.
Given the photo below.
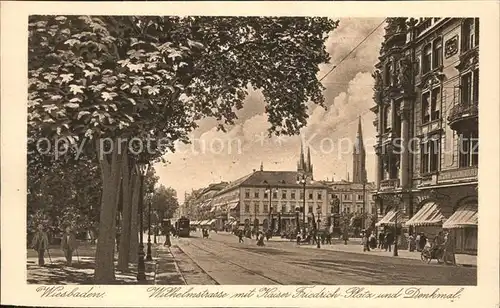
127, 184
134, 220
111, 174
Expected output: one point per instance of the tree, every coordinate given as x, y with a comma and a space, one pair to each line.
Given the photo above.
97, 80
164, 203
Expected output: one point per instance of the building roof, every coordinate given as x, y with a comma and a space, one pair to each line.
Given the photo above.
345, 185
274, 179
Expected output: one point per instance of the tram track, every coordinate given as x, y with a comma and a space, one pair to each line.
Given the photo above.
190, 257
247, 269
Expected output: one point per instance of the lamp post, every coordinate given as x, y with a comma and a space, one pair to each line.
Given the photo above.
148, 255
397, 200
318, 237
297, 211
142, 169
302, 179
270, 191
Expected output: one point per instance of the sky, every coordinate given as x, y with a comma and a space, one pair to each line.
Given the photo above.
215, 156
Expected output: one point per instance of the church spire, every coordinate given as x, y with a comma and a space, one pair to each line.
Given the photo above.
359, 157
301, 164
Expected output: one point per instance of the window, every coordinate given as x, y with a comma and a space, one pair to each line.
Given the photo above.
360, 197
347, 197
475, 87
319, 196
266, 194
387, 119
311, 196
247, 207
426, 117
468, 150
283, 208
469, 35
465, 87
429, 153
431, 105
247, 194
348, 209
319, 209
435, 103
283, 194
256, 194
292, 195
426, 59
387, 74
275, 194
437, 53
310, 209
266, 208
256, 207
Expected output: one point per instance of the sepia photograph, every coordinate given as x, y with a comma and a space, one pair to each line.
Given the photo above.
206, 150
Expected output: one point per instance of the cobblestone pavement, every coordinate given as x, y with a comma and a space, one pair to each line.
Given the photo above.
220, 259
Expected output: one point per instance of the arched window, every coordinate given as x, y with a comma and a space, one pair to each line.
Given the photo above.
437, 53
426, 59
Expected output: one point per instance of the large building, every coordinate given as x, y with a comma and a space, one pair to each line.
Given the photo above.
427, 95
260, 197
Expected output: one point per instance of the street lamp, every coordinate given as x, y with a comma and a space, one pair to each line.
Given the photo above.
297, 211
270, 191
148, 255
397, 200
302, 179
142, 169
318, 237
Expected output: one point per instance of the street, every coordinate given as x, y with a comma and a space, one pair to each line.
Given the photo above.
220, 259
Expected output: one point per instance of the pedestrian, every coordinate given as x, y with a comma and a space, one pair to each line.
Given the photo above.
417, 242
423, 241
68, 244
40, 243
412, 245
372, 240
240, 236
167, 237
389, 239
449, 249
381, 240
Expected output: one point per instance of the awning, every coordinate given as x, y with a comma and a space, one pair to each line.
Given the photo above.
232, 205
204, 222
428, 215
193, 222
234, 223
390, 218
464, 216
213, 209
211, 221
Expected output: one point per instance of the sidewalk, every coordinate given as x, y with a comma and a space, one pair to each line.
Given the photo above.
462, 259
81, 271
167, 272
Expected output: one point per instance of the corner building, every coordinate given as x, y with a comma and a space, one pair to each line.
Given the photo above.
426, 97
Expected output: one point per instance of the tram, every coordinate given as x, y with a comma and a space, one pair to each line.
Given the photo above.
182, 226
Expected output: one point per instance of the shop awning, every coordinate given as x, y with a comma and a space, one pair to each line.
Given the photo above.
213, 209
204, 222
233, 204
390, 218
428, 215
211, 221
464, 216
193, 222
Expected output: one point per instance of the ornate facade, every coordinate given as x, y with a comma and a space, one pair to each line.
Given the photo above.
427, 95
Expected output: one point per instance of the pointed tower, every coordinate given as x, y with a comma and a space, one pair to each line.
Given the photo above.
261, 166
309, 169
301, 164
359, 157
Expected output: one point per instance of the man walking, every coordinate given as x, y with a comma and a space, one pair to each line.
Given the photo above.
40, 243
68, 244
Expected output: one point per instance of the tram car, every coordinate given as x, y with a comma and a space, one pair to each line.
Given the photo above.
182, 226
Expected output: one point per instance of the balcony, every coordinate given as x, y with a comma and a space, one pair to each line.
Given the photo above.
390, 184
463, 117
